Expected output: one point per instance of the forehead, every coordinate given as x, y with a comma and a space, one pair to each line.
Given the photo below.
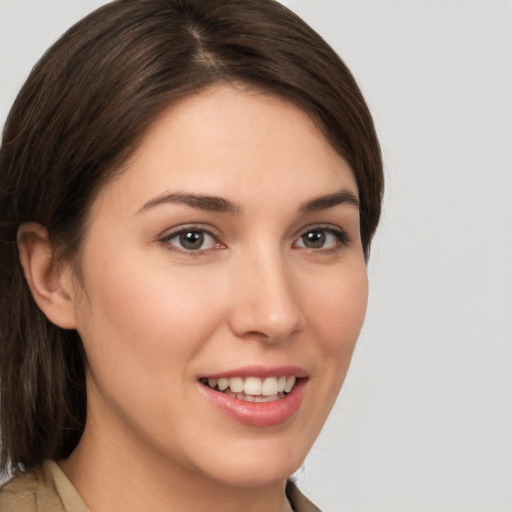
233, 141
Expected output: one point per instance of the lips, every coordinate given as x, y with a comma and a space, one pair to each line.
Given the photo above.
256, 396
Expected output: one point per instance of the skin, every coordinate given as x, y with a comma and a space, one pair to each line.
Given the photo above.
154, 317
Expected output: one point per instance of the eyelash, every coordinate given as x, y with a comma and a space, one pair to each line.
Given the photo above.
341, 239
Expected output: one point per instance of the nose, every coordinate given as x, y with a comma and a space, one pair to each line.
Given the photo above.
265, 299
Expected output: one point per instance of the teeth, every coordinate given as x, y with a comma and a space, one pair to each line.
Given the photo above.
269, 387
272, 398
223, 383
236, 384
290, 382
252, 386
254, 389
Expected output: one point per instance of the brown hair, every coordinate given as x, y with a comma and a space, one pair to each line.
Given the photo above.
79, 115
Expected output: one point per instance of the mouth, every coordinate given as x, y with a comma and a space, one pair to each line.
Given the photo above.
253, 389
257, 396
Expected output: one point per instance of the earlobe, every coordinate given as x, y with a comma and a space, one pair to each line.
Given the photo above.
47, 278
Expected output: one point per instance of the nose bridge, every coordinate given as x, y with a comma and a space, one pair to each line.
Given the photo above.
265, 301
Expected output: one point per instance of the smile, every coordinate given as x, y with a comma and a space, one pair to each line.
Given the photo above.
255, 395
253, 389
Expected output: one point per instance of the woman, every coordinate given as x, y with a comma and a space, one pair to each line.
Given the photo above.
189, 192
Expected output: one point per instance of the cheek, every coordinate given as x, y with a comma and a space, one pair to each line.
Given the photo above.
337, 311
143, 316
141, 328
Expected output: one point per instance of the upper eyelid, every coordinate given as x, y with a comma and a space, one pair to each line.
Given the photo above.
338, 232
170, 232
333, 228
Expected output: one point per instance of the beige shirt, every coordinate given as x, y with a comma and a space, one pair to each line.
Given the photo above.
48, 490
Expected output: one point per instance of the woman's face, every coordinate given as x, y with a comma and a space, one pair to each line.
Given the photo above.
228, 250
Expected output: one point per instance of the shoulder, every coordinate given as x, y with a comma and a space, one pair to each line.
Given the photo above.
31, 491
298, 501
19, 494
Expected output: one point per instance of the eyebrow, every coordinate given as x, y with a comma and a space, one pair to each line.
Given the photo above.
221, 205
200, 201
324, 202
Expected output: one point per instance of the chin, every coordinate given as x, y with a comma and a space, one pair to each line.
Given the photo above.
257, 467
257, 475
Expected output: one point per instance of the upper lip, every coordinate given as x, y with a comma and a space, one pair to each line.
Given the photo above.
260, 371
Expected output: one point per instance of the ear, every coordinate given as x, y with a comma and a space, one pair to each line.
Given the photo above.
49, 281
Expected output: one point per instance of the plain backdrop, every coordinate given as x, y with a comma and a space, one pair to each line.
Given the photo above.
424, 421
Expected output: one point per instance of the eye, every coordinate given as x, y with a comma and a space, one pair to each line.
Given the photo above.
322, 238
191, 240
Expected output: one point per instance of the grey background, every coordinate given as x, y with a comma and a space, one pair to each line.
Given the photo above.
424, 422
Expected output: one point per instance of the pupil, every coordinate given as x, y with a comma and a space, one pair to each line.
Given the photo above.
314, 239
192, 240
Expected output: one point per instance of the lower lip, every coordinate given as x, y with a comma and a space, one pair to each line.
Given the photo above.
258, 414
